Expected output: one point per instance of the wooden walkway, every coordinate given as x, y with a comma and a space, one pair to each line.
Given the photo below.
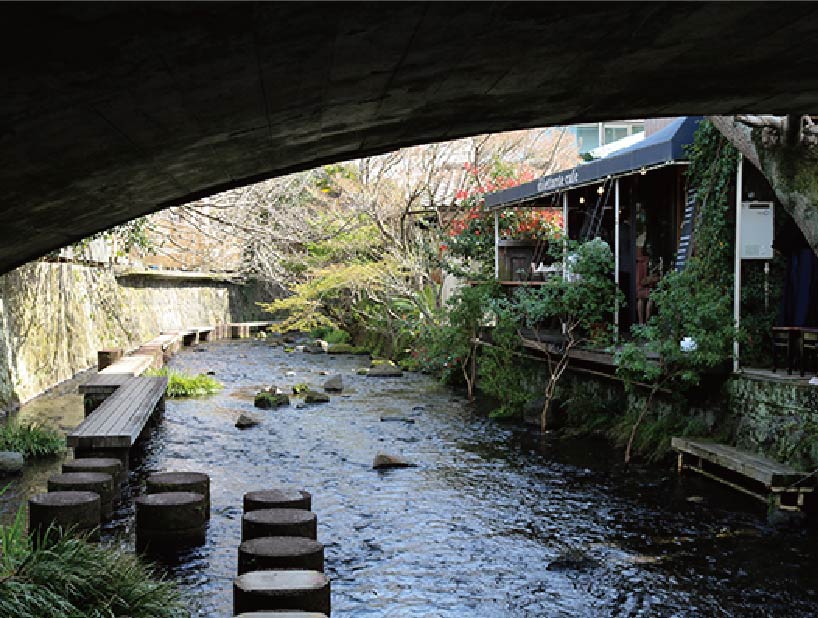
132, 366
119, 420
785, 485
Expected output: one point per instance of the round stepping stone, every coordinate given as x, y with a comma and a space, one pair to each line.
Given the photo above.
166, 522
196, 482
278, 522
291, 590
99, 482
106, 465
278, 498
66, 510
270, 553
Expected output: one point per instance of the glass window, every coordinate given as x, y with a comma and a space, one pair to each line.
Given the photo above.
637, 128
614, 133
587, 138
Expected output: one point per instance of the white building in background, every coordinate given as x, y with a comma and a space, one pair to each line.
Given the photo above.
591, 135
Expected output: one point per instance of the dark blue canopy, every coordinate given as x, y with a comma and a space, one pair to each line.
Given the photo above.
664, 146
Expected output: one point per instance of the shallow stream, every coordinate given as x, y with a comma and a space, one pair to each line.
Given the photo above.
493, 522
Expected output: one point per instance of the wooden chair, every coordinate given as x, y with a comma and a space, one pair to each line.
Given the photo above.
782, 340
808, 348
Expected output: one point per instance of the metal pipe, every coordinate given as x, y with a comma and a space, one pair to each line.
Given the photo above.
616, 256
737, 266
496, 244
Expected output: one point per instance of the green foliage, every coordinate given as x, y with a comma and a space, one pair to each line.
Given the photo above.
502, 375
181, 384
583, 302
345, 348
330, 334
696, 302
270, 401
72, 578
301, 388
31, 440
447, 348
653, 433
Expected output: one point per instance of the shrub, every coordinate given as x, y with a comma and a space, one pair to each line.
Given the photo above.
301, 388
185, 385
330, 334
72, 578
31, 440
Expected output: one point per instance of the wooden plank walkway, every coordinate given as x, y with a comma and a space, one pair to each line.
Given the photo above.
104, 383
133, 366
776, 478
117, 423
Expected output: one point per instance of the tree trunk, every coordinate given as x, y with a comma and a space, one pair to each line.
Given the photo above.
790, 167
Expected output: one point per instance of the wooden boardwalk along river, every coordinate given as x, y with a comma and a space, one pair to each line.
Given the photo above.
117, 423
785, 485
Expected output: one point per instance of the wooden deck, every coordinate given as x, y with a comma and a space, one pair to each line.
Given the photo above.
119, 420
132, 366
104, 383
776, 478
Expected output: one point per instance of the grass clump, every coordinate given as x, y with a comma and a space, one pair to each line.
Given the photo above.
346, 348
182, 384
330, 334
72, 578
31, 440
301, 388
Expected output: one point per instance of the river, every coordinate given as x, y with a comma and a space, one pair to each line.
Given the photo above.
493, 522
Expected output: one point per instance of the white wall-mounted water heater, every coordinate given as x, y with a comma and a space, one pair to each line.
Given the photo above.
757, 229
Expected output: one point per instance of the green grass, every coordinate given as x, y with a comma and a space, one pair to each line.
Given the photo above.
330, 334
72, 578
182, 384
31, 440
301, 388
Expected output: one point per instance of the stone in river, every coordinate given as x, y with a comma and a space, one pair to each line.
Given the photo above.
384, 461
10, 462
269, 401
334, 385
319, 346
385, 371
315, 397
246, 421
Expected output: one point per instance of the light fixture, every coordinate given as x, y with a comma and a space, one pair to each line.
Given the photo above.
601, 189
643, 171
581, 200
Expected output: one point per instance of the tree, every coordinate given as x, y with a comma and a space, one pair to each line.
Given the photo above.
582, 304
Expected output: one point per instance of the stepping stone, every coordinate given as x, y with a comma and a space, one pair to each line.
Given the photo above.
290, 590
98, 482
384, 371
335, 384
196, 482
166, 522
278, 498
271, 553
76, 510
106, 465
278, 522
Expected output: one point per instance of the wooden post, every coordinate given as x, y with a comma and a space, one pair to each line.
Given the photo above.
108, 357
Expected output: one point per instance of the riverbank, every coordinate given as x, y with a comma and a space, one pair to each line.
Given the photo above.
448, 537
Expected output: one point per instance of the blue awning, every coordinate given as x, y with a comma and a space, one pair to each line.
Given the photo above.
665, 146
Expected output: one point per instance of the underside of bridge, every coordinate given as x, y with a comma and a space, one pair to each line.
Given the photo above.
110, 111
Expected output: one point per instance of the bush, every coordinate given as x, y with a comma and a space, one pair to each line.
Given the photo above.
301, 388
31, 440
72, 578
185, 385
330, 334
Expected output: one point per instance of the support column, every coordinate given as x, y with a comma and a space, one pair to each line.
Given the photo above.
737, 266
616, 256
564, 236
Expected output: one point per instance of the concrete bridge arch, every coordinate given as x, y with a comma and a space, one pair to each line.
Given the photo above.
110, 111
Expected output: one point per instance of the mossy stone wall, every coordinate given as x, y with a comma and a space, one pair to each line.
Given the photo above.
55, 316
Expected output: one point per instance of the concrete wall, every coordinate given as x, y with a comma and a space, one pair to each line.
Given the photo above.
55, 316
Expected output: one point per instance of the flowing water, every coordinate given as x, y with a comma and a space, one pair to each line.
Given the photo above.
493, 521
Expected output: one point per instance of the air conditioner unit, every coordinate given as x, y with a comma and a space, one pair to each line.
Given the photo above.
757, 230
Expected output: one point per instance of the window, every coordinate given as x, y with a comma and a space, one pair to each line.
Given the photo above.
587, 137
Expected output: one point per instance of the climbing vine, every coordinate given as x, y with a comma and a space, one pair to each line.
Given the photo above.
696, 302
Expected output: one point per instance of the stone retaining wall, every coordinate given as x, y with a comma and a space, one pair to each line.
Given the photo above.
55, 316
